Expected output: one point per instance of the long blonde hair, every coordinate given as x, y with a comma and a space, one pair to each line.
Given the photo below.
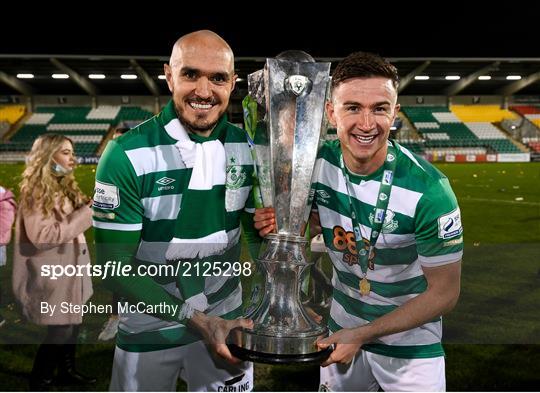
40, 187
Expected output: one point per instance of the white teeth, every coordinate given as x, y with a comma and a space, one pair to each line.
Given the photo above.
364, 139
200, 106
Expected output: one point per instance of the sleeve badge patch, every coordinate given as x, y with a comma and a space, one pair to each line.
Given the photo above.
450, 225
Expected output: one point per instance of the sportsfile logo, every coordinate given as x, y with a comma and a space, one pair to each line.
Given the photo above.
165, 181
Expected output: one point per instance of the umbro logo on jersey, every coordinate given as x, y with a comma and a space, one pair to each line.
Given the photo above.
165, 180
322, 196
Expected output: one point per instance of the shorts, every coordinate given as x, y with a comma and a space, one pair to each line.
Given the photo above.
369, 371
159, 370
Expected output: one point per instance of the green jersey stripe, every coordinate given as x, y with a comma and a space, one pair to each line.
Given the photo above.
229, 287
383, 256
157, 231
440, 260
333, 326
422, 223
388, 274
386, 240
154, 251
164, 338
409, 154
428, 333
402, 200
156, 184
115, 226
406, 351
397, 351
373, 299
155, 340
339, 202
388, 290
352, 306
144, 178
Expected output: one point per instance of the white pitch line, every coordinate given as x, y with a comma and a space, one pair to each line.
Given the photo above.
499, 201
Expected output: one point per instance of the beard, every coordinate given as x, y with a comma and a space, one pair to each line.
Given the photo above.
198, 126
201, 124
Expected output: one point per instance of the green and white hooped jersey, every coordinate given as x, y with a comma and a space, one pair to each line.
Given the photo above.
139, 184
422, 227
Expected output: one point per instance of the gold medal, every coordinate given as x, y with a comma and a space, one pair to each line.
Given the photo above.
365, 287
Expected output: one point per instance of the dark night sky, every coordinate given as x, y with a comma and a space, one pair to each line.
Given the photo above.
461, 32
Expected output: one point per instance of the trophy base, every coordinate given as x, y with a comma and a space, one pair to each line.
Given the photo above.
271, 358
257, 347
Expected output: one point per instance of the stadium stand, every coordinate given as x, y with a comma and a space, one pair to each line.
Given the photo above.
86, 126
482, 113
12, 113
532, 113
533, 143
431, 130
444, 131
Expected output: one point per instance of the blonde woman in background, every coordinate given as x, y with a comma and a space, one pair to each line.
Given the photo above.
8, 208
49, 230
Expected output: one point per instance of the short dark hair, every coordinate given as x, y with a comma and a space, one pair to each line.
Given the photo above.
364, 65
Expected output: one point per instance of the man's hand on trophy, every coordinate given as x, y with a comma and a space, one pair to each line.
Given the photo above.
265, 220
215, 331
346, 344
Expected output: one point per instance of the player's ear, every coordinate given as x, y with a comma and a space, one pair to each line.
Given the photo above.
330, 113
168, 76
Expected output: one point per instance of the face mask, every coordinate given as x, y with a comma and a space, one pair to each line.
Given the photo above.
59, 170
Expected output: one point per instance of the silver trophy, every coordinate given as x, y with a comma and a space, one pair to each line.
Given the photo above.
286, 146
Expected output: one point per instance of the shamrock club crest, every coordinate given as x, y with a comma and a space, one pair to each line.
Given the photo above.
389, 224
235, 175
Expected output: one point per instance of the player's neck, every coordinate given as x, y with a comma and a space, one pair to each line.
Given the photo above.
367, 166
204, 134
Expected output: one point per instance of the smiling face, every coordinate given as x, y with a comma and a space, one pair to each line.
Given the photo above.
363, 110
201, 78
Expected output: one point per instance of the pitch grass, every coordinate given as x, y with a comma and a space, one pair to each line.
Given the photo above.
492, 337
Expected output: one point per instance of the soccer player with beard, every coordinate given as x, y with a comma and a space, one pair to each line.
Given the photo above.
177, 188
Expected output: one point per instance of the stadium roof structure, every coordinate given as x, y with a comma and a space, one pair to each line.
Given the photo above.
450, 40
419, 75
